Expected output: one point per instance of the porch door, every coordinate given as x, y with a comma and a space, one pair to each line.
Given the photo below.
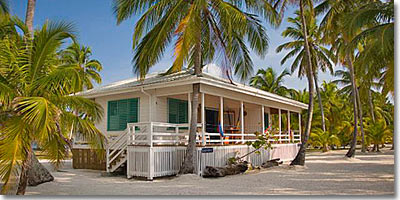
266, 120
211, 121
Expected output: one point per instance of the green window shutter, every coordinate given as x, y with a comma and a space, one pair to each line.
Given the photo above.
183, 112
133, 110
173, 110
121, 112
113, 119
177, 111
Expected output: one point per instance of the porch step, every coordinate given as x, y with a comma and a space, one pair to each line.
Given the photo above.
118, 162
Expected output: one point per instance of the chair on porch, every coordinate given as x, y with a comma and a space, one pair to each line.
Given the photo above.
223, 137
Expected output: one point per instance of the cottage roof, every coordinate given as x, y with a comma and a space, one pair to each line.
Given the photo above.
184, 77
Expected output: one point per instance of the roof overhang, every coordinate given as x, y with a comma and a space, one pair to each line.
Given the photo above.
207, 80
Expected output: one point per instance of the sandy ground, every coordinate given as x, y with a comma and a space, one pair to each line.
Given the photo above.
324, 174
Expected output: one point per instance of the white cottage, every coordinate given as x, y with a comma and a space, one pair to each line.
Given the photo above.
146, 122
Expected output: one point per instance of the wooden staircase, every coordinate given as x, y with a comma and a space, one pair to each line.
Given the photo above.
117, 152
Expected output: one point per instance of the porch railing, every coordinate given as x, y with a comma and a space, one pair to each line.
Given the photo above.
160, 133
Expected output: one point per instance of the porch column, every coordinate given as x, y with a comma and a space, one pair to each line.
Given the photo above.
262, 119
189, 108
203, 119
280, 125
300, 125
288, 124
221, 112
242, 120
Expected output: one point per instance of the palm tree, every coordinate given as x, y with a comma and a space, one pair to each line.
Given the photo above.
268, 80
300, 157
336, 35
345, 80
36, 102
79, 55
323, 139
203, 31
299, 95
377, 132
376, 19
320, 55
30, 13
4, 7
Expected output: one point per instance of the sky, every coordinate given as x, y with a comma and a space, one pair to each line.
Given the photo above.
111, 44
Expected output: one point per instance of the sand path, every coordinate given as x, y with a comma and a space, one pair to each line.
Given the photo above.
325, 174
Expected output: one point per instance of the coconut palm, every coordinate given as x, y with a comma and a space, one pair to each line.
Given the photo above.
323, 139
4, 7
320, 55
79, 55
36, 105
347, 90
203, 31
304, 4
377, 133
376, 18
336, 34
268, 80
298, 95
30, 13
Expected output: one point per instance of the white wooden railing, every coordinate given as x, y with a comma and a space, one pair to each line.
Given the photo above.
161, 133
167, 134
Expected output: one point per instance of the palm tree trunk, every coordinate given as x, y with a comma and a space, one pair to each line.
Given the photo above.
188, 165
361, 121
353, 143
371, 105
32, 171
319, 101
23, 177
30, 12
301, 155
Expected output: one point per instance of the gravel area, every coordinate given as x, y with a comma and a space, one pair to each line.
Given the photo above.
324, 174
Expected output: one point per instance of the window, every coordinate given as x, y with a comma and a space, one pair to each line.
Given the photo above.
177, 111
266, 120
121, 112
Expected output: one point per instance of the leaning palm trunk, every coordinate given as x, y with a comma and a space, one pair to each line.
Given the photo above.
23, 177
188, 165
352, 149
301, 155
361, 121
32, 172
319, 101
371, 105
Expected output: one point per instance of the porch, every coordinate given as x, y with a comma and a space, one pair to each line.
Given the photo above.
221, 120
152, 149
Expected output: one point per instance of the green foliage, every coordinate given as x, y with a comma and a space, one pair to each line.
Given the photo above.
269, 81
222, 29
78, 55
378, 132
323, 139
35, 101
320, 56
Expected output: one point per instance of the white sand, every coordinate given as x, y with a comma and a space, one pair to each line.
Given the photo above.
324, 174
